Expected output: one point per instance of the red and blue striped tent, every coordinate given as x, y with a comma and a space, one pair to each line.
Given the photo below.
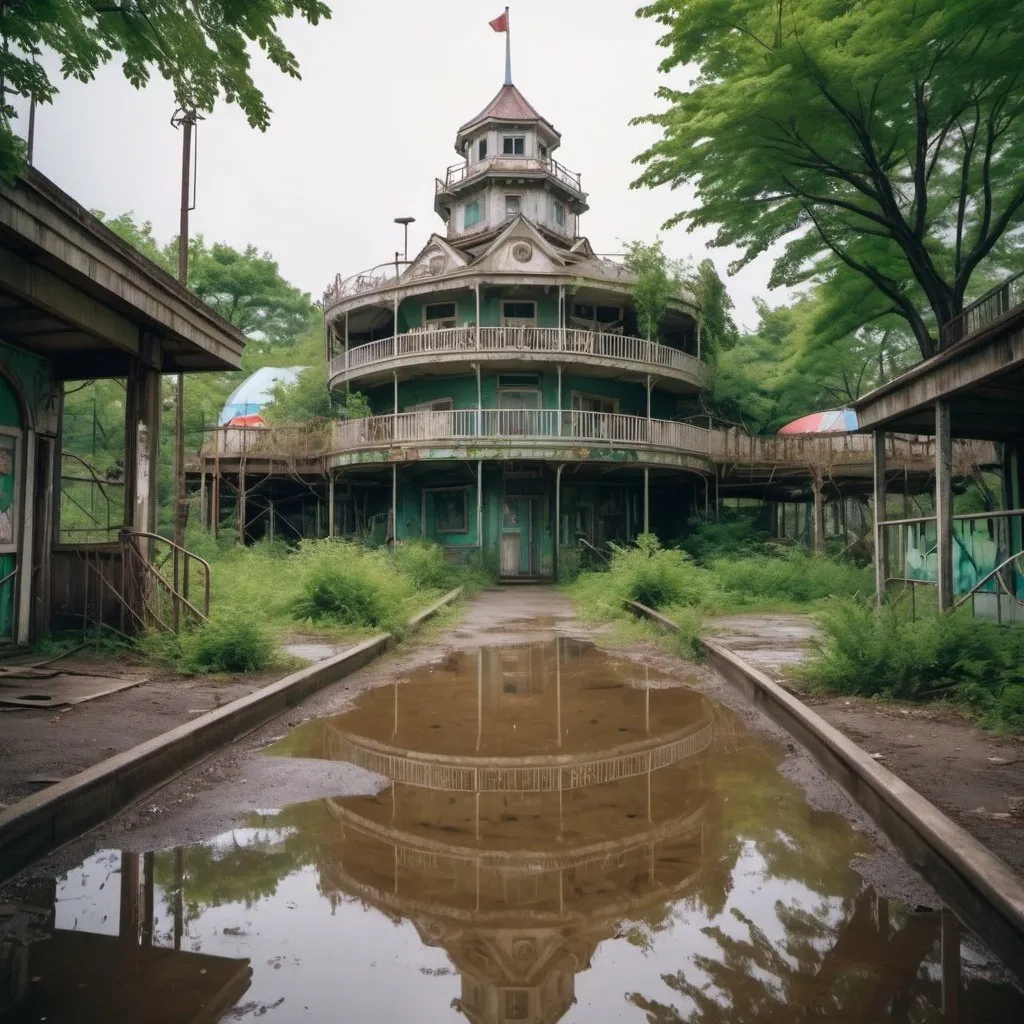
832, 421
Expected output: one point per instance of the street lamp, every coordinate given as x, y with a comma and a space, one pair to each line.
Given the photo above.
405, 222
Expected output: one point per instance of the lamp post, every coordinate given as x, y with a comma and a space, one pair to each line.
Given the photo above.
405, 222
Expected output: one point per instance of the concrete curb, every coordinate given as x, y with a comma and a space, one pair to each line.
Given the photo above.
39, 824
979, 887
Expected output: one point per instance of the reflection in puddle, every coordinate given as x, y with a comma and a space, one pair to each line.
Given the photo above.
563, 838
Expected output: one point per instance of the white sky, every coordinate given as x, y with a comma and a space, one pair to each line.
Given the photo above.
360, 139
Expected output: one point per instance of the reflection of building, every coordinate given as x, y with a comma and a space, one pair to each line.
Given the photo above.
534, 804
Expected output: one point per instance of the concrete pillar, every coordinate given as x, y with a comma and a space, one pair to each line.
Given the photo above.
331, 515
558, 517
27, 579
394, 505
819, 514
480, 508
141, 448
647, 501
881, 549
944, 504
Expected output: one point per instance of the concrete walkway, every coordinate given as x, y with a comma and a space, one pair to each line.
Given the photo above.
974, 776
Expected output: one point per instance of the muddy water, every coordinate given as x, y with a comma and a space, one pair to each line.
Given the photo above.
556, 836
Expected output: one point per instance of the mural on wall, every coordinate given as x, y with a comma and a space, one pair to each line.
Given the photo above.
977, 550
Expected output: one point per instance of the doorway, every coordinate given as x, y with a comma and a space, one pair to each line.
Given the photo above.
520, 537
10, 496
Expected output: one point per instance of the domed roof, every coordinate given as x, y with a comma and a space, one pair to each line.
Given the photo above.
509, 104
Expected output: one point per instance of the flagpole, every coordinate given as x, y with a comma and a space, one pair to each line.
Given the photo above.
508, 49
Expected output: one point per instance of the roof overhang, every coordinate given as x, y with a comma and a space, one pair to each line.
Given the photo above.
982, 377
72, 291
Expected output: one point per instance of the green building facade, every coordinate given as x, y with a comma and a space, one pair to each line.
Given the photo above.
518, 416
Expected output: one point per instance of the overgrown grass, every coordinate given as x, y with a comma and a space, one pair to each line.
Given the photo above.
335, 588
978, 666
672, 582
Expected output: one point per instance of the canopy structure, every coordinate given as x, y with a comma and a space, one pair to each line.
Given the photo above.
255, 391
831, 421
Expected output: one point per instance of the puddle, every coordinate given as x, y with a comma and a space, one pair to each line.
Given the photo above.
564, 837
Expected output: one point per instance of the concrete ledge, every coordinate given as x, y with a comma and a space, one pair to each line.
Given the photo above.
33, 827
978, 886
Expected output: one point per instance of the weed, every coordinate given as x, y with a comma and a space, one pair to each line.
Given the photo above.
978, 666
229, 642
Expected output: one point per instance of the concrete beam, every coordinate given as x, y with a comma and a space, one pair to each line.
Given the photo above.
46, 291
944, 505
945, 375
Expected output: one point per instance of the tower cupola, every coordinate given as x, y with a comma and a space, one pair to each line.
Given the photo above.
507, 169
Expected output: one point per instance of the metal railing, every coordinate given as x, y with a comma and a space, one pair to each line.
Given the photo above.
159, 582
991, 306
428, 342
460, 172
365, 281
461, 426
299, 441
984, 559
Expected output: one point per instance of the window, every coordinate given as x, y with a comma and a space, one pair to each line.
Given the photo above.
608, 314
439, 314
518, 313
593, 403
481, 149
472, 214
543, 150
450, 508
583, 310
560, 215
437, 405
513, 204
517, 1004
513, 145
588, 317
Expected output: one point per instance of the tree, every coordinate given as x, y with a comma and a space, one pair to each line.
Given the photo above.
657, 281
882, 136
718, 329
246, 288
201, 48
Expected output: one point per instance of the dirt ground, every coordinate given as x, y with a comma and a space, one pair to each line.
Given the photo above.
41, 746
975, 777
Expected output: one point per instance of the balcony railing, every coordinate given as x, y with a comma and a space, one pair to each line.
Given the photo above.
365, 281
513, 164
462, 426
517, 340
306, 441
991, 306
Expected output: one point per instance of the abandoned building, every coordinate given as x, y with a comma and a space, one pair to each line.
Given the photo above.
77, 303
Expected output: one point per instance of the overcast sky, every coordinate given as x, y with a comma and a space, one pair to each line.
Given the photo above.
359, 140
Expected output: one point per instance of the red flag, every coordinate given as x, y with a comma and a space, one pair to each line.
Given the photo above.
500, 24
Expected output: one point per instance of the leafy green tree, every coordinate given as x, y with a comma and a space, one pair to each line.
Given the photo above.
883, 136
718, 329
203, 49
658, 280
246, 288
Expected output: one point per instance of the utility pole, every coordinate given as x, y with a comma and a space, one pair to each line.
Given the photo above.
186, 120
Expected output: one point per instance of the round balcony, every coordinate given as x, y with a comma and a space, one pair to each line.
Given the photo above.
455, 350
556, 434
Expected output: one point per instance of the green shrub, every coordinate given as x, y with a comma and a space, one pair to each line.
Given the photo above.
425, 565
790, 574
230, 642
884, 652
345, 584
735, 532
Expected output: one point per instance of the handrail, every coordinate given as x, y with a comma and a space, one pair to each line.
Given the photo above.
960, 517
1002, 583
178, 587
600, 554
997, 301
472, 342
459, 172
362, 281
566, 426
